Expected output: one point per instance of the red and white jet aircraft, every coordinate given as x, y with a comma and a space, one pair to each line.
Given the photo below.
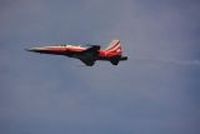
88, 55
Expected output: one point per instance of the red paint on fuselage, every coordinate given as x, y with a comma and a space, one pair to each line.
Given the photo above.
88, 55
64, 50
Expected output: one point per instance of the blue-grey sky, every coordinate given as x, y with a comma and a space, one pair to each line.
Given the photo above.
156, 91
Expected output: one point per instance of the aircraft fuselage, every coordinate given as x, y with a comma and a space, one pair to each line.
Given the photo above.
88, 55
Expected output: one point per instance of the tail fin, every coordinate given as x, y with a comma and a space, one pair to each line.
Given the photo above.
114, 46
114, 50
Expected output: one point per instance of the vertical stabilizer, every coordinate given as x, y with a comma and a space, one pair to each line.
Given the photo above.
115, 47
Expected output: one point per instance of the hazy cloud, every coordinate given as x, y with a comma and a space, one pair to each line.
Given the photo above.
155, 91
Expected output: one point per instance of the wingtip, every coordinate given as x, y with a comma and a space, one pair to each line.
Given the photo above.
28, 49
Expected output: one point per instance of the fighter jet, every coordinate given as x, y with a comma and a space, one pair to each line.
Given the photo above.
88, 54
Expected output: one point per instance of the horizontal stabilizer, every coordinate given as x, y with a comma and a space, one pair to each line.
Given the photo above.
123, 58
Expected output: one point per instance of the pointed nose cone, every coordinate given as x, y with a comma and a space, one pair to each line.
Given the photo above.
29, 49
34, 49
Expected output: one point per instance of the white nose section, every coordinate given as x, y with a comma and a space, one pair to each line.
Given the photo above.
35, 49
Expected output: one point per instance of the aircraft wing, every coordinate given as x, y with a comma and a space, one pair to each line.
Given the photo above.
88, 62
88, 56
92, 49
